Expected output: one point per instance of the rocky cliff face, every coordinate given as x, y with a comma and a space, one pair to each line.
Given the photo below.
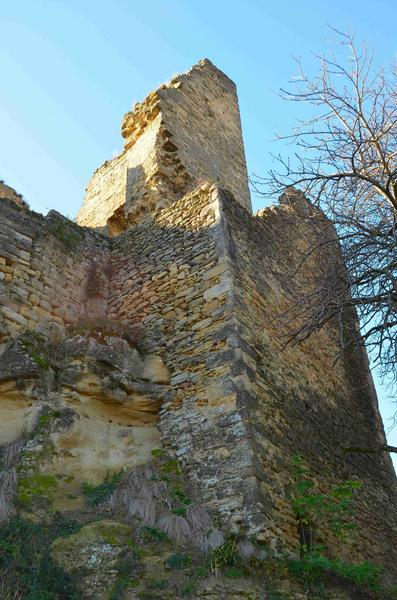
98, 396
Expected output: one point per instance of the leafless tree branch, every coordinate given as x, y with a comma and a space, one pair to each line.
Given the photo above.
345, 162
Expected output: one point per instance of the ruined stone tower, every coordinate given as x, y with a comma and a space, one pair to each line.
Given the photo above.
186, 132
166, 240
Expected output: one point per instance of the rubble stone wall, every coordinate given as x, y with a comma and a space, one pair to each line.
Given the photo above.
200, 109
207, 280
299, 401
172, 274
47, 265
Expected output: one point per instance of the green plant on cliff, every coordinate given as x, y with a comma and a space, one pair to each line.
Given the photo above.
27, 570
35, 486
316, 513
96, 494
225, 555
35, 345
316, 510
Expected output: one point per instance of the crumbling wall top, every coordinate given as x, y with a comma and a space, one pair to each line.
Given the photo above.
186, 132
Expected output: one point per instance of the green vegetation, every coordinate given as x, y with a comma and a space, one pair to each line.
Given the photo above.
189, 588
125, 580
157, 584
318, 512
315, 510
201, 571
233, 572
178, 561
96, 494
153, 534
34, 487
312, 569
157, 452
178, 492
26, 566
171, 466
180, 510
40, 360
225, 555
34, 344
65, 231
47, 418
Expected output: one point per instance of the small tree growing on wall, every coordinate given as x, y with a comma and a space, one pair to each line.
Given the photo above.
346, 163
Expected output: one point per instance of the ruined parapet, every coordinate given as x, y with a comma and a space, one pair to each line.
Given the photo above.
50, 270
7, 192
186, 132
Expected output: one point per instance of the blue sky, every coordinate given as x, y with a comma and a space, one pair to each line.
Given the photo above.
69, 70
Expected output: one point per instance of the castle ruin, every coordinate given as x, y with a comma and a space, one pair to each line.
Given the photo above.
166, 241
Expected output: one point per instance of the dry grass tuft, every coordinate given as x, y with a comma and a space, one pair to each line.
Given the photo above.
143, 495
176, 527
246, 548
8, 488
198, 518
215, 539
9, 453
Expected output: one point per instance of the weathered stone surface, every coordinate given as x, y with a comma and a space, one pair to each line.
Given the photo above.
92, 554
17, 364
112, 399
10, 194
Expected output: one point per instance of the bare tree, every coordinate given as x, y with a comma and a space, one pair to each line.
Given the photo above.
345, 162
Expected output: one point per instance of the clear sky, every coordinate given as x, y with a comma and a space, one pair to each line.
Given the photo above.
70, 69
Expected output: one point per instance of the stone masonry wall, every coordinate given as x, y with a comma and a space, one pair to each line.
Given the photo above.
200, 109
299, 401
207, 280
171, 273
186, 132
50, 269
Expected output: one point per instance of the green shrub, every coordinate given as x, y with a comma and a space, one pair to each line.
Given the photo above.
313, 568
317, 511
26, 564
233, 572
225, 555
96, 494
171, 466
178, 561
65, 231
150, 534
189, 588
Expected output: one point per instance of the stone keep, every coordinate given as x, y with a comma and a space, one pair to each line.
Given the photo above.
167, 232
186, 132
